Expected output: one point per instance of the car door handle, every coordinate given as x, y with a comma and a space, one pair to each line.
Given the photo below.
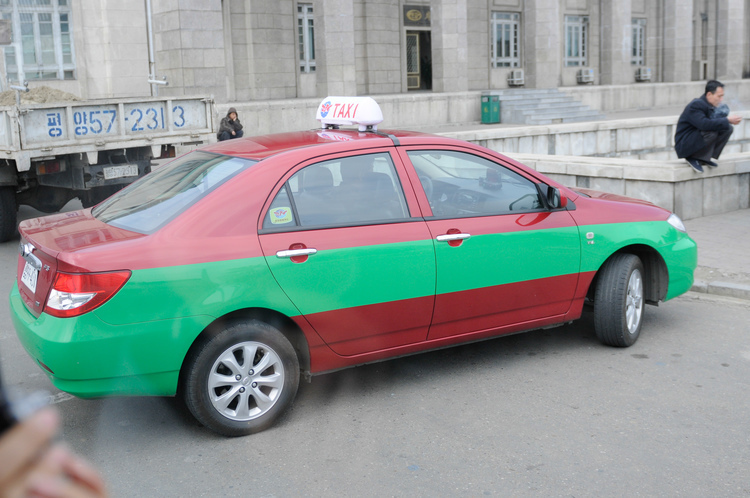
448, 237
290, 253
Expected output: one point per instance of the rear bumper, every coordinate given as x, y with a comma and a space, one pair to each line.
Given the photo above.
87, 357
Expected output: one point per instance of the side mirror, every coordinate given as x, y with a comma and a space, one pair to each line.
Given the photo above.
553, 197
556, 199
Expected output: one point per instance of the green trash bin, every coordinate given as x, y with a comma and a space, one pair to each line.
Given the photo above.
490, 108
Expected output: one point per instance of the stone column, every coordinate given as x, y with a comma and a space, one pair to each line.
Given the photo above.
239, 32
381, 48
450, 48
111, 50
334, 48
189, 43
264, 49
542, 43
678, 40
729, 39
616, 43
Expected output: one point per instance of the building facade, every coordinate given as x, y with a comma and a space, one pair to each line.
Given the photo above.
249, 50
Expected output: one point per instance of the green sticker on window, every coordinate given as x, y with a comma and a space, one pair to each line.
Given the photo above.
280, 215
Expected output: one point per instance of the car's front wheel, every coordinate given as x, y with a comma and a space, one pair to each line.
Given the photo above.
619, 300
242, 379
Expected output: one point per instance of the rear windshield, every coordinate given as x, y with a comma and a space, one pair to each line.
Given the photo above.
153, 201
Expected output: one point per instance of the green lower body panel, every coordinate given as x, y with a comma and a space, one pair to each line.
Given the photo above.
681, 259
140, 358
677, 249
160, 384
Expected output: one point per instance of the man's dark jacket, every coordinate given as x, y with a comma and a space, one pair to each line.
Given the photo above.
697, 117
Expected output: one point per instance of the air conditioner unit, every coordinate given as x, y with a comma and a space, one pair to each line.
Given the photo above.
643, 74
515, 77
585, 76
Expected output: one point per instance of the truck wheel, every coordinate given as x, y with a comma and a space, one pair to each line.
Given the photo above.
8, 212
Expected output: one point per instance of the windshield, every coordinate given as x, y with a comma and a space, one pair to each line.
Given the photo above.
156, 199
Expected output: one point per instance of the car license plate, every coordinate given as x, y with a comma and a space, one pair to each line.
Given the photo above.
111, 172
29, 276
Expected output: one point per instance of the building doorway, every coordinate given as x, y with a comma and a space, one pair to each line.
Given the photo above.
419, 60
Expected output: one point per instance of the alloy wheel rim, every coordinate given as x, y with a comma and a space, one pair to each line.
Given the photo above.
245, 381
634, 304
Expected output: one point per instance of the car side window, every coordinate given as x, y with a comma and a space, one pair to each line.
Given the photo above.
350, 190
280, 213
461, 184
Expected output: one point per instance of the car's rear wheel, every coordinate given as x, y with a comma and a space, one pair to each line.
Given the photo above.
242, 379
619, 300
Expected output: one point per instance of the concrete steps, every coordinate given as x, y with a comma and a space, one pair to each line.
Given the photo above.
542, 106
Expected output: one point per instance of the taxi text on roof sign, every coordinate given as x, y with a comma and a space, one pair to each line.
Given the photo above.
361, 111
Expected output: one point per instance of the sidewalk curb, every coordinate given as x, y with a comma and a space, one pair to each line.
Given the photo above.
719, 288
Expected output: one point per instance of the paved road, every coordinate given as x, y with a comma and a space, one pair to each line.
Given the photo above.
550, 413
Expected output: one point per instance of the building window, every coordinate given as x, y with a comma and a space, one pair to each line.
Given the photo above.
505, 36
576, 40
42, 47
306, 32
639, 42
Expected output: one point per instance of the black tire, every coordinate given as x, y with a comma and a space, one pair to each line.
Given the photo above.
8, 213
235, 406
619, 302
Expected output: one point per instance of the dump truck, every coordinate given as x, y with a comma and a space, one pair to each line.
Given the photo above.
54, 152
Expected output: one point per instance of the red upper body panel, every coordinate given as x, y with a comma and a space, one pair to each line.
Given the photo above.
76, 238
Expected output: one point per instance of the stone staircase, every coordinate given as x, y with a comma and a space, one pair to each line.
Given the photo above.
542, 106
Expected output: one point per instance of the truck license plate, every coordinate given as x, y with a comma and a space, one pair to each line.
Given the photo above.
29, 276
111, 172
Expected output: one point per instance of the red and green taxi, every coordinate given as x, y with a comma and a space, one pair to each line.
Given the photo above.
229, 273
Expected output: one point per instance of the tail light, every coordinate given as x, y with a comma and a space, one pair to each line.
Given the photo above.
47, 167
74, 294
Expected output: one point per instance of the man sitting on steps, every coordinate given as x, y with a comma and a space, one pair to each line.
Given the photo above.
701, 135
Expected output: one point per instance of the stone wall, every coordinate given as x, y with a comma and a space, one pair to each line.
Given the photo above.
669, 184
405, 111
418, 110
655, 95
643, 138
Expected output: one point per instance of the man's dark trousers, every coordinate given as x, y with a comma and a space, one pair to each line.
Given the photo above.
715, 140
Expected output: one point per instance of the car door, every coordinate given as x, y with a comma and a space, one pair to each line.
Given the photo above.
340, 239
503, 259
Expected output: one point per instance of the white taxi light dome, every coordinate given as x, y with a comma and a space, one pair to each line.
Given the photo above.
361, 111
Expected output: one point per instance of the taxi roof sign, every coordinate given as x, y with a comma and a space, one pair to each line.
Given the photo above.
361, 111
